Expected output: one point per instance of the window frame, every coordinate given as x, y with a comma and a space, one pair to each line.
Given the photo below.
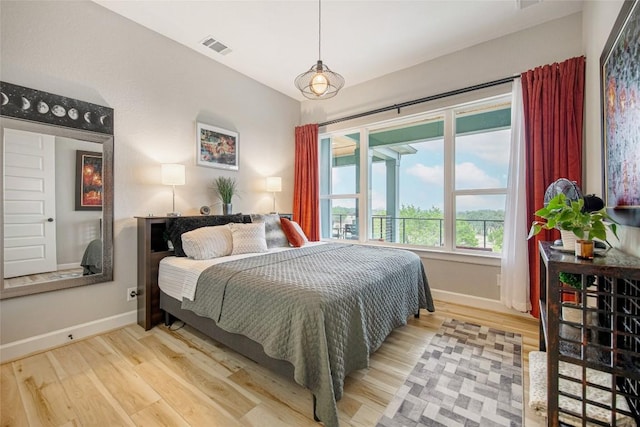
362, 197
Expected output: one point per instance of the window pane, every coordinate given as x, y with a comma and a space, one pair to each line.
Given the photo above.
480, 222
482, 149
339, 219
406, 186
339, 164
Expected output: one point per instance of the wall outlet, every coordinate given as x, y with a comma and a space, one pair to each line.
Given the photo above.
132, 293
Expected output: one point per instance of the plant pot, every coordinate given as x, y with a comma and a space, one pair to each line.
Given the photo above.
227, 209
568, 240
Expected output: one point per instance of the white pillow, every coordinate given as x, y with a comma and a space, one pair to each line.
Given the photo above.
208, 242
300, 232
248, 238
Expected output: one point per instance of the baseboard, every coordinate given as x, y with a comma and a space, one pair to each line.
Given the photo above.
69, 266
21, 348
476, 302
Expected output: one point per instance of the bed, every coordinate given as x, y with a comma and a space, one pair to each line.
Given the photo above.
313, 314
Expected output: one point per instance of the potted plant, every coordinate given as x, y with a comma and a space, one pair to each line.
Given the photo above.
572, 218
226, 188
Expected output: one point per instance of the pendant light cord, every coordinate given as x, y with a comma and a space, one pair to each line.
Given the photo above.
319, 29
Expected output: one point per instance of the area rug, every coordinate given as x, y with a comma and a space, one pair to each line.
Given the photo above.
469, 375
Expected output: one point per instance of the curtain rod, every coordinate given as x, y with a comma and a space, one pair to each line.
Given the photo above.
420, 100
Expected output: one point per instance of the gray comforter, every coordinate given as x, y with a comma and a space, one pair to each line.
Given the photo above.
322, 308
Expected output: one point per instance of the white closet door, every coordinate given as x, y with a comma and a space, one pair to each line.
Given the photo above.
29, 203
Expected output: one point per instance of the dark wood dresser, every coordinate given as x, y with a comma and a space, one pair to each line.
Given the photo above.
604, 337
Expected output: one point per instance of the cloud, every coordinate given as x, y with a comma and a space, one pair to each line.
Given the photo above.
468, 175
428, 174
491, 146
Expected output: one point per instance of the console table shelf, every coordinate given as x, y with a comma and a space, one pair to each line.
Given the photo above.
594, 328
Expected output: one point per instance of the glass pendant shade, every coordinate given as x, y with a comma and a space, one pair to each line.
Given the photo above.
319, 82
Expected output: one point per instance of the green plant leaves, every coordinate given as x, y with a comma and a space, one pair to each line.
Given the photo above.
561, 214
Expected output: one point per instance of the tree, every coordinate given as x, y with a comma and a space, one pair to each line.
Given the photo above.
420, 227
496, 237
466, 235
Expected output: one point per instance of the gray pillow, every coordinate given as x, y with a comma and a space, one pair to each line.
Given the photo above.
273, 230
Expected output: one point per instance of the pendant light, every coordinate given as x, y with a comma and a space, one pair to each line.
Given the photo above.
319, 82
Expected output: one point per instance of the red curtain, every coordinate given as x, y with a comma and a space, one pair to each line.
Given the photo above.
553, 98
306, 191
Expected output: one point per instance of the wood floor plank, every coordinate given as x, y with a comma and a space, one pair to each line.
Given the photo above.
129, 347
196, 408
202, 376
89, 404
172, 343
12, 409
118, 376
68, 361
45, 402
281, 392
159, 414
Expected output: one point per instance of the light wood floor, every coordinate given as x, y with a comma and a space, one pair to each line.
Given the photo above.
181, 378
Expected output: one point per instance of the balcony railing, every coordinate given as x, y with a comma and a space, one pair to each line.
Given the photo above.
417, 231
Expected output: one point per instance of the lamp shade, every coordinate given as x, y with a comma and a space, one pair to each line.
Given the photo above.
274, 184
173, 174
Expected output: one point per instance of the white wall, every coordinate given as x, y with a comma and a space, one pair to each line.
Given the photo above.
510, 55
599, 17
158, 90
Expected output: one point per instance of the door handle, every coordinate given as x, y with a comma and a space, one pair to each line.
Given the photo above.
49, 219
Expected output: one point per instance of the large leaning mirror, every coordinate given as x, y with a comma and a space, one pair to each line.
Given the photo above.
57, 210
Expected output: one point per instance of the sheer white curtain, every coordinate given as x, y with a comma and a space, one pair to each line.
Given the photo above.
514, 279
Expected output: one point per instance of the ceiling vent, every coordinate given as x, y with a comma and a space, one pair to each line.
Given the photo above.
215, 45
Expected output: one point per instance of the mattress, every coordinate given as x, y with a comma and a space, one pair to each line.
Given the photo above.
178, 276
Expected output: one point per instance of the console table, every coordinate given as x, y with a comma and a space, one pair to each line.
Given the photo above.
607, 338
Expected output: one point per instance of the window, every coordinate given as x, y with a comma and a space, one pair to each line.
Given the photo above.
435, 180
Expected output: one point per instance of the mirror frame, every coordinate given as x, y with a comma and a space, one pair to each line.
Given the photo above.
107, 142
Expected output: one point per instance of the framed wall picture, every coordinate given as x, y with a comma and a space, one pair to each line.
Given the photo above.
216, 147
620, 101
88, 181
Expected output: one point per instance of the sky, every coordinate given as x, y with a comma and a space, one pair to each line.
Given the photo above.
482, 161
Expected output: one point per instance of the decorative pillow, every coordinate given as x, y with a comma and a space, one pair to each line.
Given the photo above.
273, 230
295, 239
248, 238
177, 226
300, 232
208, 242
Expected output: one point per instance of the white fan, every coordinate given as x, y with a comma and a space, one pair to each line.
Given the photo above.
563, 186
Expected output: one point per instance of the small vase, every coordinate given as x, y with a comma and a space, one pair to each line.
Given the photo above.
584, 249
227, 208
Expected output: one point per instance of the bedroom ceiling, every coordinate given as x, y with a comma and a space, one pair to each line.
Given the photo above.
274, 41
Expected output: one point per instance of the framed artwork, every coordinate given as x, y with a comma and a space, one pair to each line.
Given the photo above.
620, 100
216, 147
88, 181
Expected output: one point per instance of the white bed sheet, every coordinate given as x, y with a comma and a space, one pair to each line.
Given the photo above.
178, 276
